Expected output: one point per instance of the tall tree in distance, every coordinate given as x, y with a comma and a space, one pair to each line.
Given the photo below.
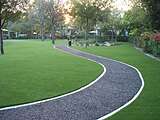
88, 12
9, 9
54, 12
40, 4
153, 8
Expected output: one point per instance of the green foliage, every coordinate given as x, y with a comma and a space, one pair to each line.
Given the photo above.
112, 19
138, 23
146, 36
85, 13
88, 13
153, 8
11, 9
42, 17
136, 20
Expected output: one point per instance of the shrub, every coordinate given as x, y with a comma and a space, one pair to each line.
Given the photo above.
156, 37
146, 41
156, 50
146, 36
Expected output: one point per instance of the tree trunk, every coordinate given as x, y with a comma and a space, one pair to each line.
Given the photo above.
53, 35
9, 29
1, 42
1, 38
86, 33
53, 38
42, 33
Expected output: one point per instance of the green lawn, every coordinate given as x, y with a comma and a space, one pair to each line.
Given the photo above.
33, 70
147, 106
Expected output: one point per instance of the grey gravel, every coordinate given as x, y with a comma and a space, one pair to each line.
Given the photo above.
118, 86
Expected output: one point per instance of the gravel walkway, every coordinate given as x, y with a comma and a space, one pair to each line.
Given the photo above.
118, 86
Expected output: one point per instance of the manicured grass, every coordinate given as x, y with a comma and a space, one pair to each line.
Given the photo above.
147, 106
33, 70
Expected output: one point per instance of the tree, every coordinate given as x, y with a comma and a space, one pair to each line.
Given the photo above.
54, 12
28, 23
112, 23
153, 8
9, 9
40, 5
88, 12
85, 13
136, 20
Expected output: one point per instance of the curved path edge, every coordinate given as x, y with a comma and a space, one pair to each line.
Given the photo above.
104, 71
133, 99
70, 93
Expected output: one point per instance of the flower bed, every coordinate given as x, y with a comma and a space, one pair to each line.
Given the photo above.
151, 43
146, 36
156, 49
156, 37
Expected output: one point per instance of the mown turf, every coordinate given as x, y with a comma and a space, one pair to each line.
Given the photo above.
147, 106
33, 70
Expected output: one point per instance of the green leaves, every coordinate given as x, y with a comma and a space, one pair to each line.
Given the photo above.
11, 9
88, 13
153, 8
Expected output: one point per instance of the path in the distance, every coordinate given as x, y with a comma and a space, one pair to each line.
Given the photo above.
119, 85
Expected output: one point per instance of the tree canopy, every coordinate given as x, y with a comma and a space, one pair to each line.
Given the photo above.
88, 13
153, 8
10, 10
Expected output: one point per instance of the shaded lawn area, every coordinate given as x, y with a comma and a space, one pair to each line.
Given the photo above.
147, 106
33, 70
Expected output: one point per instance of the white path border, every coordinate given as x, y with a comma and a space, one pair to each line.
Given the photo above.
133, 99
58, 97
104, 71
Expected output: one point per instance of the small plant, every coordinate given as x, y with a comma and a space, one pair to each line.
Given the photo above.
156, 38
146, 36
146, 41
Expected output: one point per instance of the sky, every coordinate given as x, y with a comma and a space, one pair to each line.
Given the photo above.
122, 5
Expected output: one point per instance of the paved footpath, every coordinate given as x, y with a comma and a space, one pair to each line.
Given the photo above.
119, 85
